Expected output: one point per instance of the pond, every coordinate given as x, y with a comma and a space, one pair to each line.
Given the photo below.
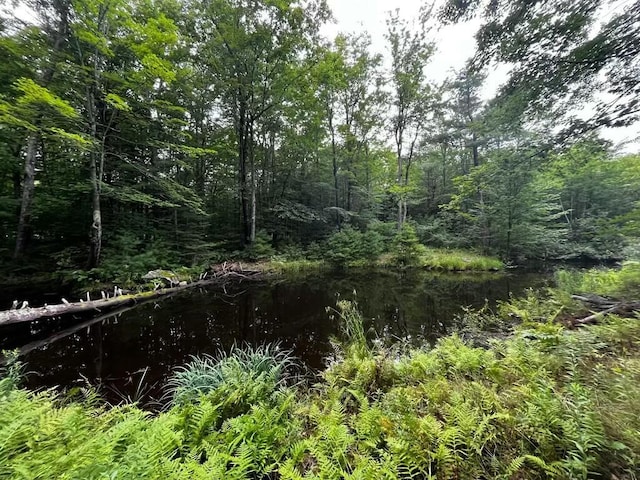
152, 339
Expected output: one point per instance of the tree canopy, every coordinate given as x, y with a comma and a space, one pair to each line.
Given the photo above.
172, 131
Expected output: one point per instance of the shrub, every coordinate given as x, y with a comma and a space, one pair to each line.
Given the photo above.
407, 249
240, 378
349, 246
261, 247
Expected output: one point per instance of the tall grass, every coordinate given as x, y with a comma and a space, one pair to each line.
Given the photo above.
449, 261
456, 260
623, 282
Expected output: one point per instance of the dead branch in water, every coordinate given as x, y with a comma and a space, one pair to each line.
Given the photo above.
221, 274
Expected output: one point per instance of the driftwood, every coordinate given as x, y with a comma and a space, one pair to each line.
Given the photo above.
221, 274
601, 306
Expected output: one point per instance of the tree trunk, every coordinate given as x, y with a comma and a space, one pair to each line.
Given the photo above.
28, 187
474, 150
242, 132
254, 187
95, 174
334, 155
399, 183
242, 158
95, 234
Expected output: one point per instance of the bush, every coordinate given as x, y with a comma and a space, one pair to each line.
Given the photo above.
241, 378
261, 248
350, 246
407, 249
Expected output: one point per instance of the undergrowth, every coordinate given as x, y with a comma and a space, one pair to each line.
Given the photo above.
622, 283
546, 402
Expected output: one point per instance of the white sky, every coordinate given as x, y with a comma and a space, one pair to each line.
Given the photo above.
370, 16
455, 44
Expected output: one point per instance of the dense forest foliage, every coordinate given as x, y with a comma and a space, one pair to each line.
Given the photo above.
174, 131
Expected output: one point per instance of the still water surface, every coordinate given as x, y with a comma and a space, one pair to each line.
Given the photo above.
156, 337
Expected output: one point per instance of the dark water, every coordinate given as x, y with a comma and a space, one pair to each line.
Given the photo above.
156, 337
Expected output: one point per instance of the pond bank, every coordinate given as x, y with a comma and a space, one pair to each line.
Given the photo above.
49, 288
547, 402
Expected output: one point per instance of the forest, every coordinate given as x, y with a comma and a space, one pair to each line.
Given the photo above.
152, 133
303, 254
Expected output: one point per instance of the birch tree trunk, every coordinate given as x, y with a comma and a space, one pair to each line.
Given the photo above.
28, 187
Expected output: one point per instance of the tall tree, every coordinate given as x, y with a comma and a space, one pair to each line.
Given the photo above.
54, 18
466, 109
410, 51
561, 54
250, 49
349, 85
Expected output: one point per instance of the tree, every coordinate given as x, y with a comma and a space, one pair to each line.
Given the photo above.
349, 85
249, 50
36, 97
411, 95
118, 50
466, 111
561, 55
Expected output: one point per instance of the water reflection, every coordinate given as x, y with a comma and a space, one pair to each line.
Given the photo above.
158, 336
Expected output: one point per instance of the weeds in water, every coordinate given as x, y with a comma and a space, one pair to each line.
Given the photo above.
142, 394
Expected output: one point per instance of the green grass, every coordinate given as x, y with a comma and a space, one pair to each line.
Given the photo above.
623, 282
546, 402
458, 260
432, 259
287, 266
449, 261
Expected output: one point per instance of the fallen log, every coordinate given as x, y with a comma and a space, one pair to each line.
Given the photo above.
29, 314
601, 306
596, 300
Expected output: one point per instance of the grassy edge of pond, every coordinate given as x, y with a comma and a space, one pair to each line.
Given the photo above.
441, 260
130, 276
544, 402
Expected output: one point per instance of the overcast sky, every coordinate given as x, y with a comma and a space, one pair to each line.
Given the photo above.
455, 44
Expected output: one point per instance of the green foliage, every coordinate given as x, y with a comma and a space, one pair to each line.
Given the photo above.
351, 246
458, 260
622, 283
11, 371
238, 379
261, 247
309, 141
544, 403
128, 259
406, 248
562, 53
